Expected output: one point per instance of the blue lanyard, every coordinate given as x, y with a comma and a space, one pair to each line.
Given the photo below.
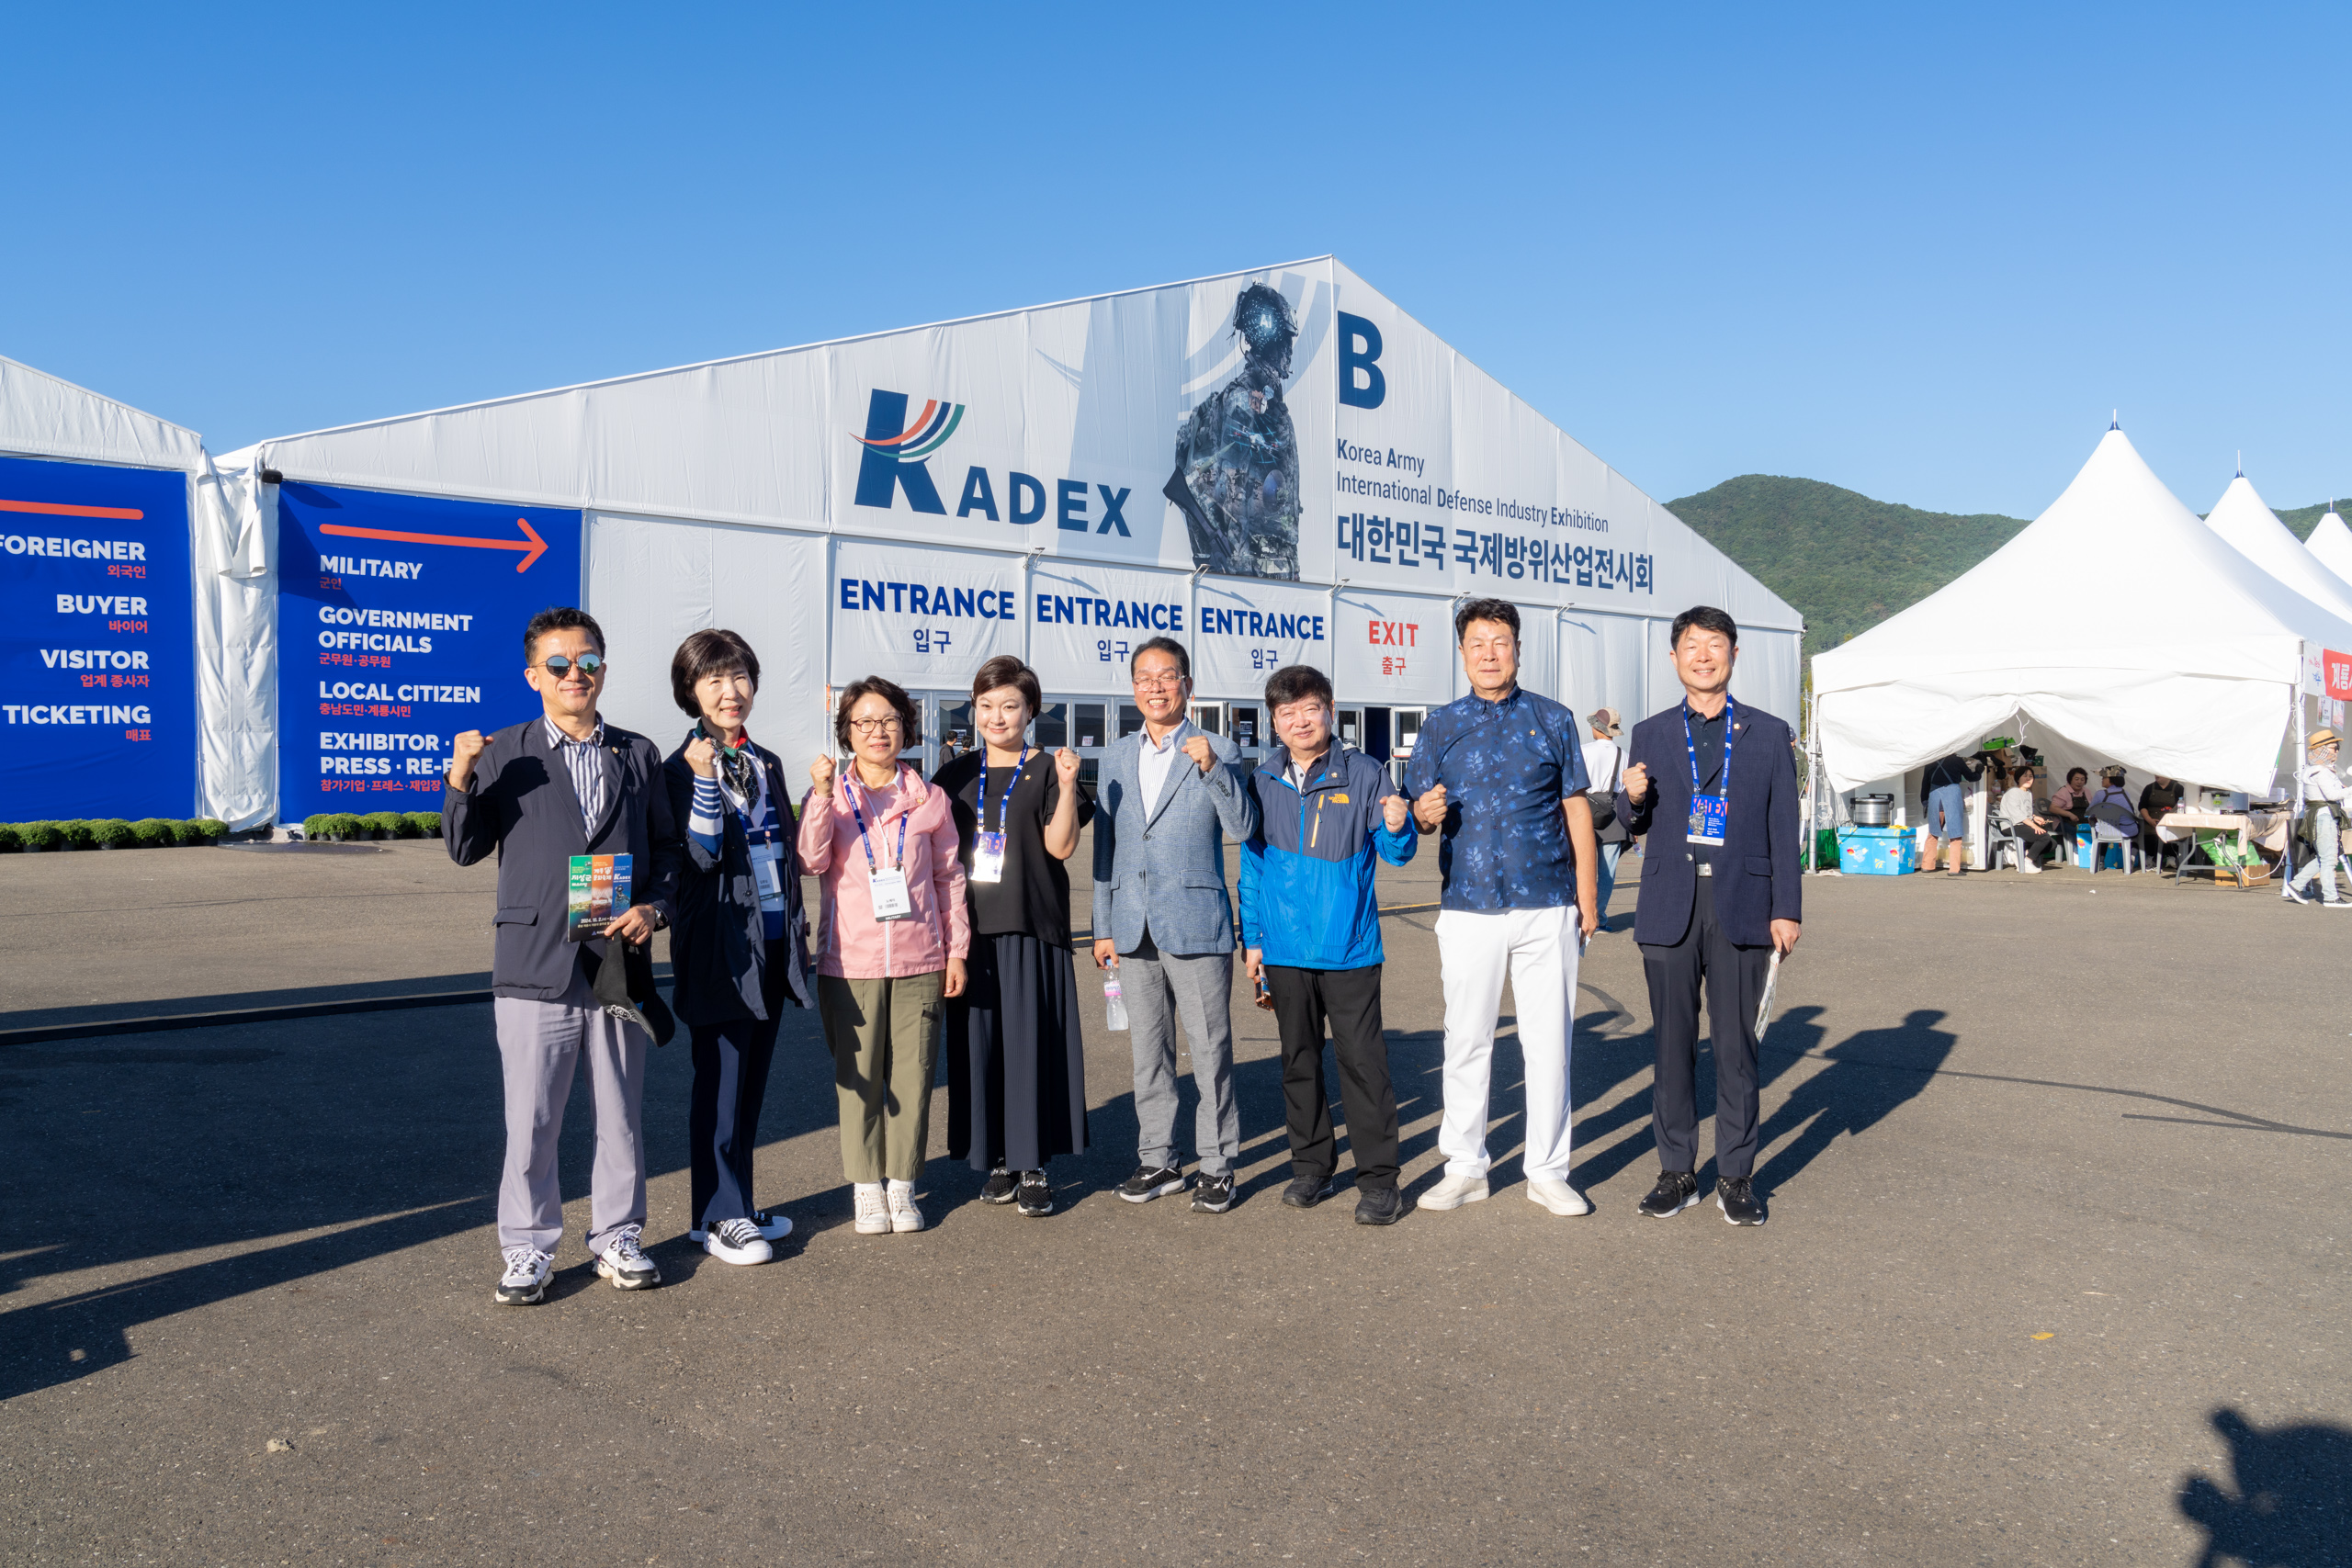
1691, 746
854, 788
980, 811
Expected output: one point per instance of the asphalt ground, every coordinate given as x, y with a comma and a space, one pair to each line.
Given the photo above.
2055, 1167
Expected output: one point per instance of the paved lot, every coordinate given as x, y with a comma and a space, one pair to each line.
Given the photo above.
2051, 1276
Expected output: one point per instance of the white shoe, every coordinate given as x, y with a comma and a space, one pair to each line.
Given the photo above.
1453, 1192
775, 1227
2028, 868
624, 1262
873, 1218
525, 1282
904, 1215
737, 1241
1556, 1195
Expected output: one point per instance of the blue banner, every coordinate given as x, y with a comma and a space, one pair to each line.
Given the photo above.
400, 624
97, 643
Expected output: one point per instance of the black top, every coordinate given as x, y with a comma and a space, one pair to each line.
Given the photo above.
1953, 770
1034, 898
2161, 799
1707, 734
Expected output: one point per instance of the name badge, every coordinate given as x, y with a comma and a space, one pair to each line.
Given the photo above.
1706, 819
988, 857
767, 874
891, 899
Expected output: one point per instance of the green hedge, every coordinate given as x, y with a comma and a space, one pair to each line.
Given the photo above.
328, 826
112, 832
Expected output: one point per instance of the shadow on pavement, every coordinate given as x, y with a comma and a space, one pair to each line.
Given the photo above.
1853, 1094
2288, 1503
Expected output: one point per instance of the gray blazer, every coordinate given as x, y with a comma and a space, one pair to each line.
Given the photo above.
1163, 860
520, 806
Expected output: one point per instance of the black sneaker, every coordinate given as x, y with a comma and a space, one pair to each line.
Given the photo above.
1738, 1200
1036, 1194
1378, 1205
1152, 1181
1214, 1195
1675, 1190
1001, 1186
1305, 1191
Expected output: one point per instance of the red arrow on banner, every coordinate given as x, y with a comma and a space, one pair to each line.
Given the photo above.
533, 547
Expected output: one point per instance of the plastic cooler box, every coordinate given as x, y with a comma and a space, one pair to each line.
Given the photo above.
1877, 851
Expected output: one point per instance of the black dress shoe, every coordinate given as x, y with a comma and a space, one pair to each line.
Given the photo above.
1305, 1191
1738, 1200
1379, 1206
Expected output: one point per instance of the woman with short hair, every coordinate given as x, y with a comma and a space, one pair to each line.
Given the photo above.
893, 937
1016, 1062
737, 952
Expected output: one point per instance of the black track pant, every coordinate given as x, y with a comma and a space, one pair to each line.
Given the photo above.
1349, 1001
1735, 980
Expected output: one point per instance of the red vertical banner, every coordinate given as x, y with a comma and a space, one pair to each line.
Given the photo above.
2336, 670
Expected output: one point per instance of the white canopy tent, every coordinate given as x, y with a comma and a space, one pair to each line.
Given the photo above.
2242, 517
2331, 542
2116, 619
41, 416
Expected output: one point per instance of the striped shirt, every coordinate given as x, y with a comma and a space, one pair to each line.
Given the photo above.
762, 835
589, 768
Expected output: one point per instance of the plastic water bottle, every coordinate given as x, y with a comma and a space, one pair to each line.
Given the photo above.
1114, 1006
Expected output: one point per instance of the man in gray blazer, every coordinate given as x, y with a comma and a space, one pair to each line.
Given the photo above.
1165, 799
538, 794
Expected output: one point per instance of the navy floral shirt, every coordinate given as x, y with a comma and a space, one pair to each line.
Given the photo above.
1506, 767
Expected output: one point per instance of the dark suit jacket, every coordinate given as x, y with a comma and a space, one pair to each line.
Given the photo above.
718, 949
1755, 867
521, 806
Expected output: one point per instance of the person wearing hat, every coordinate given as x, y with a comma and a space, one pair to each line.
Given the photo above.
1603, 759
2322, 821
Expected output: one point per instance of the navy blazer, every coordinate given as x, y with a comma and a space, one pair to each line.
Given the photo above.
521, 806
719, 947
1756, 874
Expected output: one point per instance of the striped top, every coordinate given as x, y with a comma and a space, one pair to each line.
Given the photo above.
591, 771
706, 825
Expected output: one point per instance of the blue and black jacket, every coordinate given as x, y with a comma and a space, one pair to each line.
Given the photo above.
1308, 899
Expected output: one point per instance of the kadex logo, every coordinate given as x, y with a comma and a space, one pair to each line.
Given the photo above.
896, 453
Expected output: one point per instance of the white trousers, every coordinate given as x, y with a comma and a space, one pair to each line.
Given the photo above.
1537, 948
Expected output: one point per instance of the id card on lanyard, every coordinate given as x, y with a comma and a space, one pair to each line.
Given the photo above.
988, 848
892, 901
1707, 811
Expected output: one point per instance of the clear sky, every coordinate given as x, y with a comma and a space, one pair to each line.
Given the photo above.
1921, 256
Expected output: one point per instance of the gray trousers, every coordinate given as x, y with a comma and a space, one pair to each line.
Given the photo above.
540, 1045
1157, 986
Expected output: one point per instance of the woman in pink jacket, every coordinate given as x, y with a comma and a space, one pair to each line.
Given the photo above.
891, 944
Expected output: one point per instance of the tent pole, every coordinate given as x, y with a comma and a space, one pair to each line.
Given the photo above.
2287, 879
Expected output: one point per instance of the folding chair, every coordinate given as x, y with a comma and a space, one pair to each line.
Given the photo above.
2115, 824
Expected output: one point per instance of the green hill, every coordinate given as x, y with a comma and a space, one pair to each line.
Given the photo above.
1847, 562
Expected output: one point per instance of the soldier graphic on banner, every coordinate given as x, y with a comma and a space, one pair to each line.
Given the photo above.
1237, 455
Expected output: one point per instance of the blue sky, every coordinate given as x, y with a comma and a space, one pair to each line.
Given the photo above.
1918, 256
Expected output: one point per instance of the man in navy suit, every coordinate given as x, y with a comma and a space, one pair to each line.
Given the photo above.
1719, 895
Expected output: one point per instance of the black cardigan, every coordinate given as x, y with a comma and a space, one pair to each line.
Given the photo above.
719, 948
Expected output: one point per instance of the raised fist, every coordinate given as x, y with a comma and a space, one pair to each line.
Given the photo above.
821, 774
1638, 783
469, 750
1197, 748
1065, 766
1393, 812
702, 756
1429, 810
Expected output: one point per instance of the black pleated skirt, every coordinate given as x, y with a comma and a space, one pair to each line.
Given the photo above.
1016, 1063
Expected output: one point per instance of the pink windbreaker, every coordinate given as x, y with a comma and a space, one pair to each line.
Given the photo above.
851, 943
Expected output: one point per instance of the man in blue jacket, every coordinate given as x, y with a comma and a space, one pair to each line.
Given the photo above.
1310, 926
1720, 894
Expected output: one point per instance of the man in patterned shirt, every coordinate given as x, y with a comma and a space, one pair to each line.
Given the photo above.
1500, 774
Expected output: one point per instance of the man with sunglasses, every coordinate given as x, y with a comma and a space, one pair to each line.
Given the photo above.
539, 795
1167, 797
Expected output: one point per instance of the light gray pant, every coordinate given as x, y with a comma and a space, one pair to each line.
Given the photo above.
2320, 867
1200, 988
540, 1045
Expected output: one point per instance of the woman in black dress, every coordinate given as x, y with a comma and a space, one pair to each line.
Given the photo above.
1016, 1065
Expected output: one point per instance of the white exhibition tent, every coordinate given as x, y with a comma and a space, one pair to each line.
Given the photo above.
41, 416
2242, 518
2116, 620
2331, 542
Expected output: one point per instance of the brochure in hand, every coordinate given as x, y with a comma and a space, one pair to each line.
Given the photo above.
599, 896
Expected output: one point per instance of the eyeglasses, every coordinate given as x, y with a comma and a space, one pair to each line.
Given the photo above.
559, 666
1154, 683
873, 726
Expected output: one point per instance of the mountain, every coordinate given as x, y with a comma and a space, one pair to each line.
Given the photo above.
1847, 562
2304, 519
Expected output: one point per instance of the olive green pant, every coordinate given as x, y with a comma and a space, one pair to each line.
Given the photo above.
885, 1038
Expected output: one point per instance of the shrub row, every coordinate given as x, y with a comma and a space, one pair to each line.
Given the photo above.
333, 825
110, 833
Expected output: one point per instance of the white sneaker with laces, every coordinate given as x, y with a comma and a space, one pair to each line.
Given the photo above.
1556, 1195
2028, 868
873, 1218
624, 1262
904, 1215
525, 1282
737, 1241
1453, 1192
775, 1227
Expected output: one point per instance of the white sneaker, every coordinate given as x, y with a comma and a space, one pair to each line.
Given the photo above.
775, 1227
2028, 868
873, 1219
624, 1262
1453, 1192
737, 1241
904, 1215
1556, 1195
525, 1282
